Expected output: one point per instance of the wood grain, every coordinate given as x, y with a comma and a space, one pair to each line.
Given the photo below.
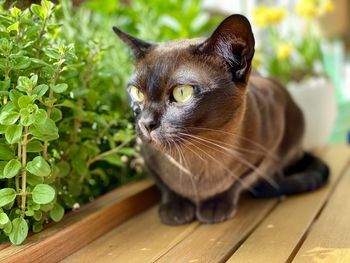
329, 238
141, 239
282, 230
80, 228
214, 243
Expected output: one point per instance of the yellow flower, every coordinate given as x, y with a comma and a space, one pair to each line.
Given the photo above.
264, 16
327, 6
284, 50
306, 8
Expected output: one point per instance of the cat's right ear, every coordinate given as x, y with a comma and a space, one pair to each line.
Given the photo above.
232, 41
138, 47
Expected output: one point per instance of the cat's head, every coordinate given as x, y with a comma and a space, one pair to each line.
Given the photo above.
190, 86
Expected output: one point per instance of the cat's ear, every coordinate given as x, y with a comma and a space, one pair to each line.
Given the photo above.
234, 42
138, 47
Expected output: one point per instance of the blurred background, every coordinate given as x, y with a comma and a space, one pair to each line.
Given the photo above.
303, 43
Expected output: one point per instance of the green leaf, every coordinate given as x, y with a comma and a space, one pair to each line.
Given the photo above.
39, 167
13, 27
4, 219
24, 83
8, 228
14, 96
40, 90
12, 168
5, 85
59, 88
56, 114
38, 215
39, 11
24, 101
45, 131
7, 195
22, 62
6, 152
2, 167
19, 231
34, 146
8, 118
40, 116
43, 194
37, 227
57, 212
13, 133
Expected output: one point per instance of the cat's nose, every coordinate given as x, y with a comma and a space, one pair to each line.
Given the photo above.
147, 125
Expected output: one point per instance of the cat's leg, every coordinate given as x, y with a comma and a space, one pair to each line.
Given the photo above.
219, 208
174, 209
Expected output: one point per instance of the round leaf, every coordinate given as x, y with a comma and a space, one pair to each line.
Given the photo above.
13, 133
7, 195
6, 152
40, 90
40, 116
25, 101
57, 213
12, 168
34, 146
19, 231
59, 88
39, 167
43, 194
3, 218
8, 118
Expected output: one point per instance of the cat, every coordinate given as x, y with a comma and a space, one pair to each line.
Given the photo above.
213, 128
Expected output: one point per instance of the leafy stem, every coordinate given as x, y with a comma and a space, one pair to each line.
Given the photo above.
50, 104
24, 171
110, 152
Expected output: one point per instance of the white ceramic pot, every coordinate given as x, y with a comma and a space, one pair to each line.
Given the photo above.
316, 97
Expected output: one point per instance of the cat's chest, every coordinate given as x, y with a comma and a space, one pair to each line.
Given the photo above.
196, 179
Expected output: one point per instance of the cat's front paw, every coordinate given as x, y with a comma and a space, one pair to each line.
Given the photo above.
177, 212
215, 211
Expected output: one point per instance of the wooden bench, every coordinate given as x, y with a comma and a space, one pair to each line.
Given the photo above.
312, 227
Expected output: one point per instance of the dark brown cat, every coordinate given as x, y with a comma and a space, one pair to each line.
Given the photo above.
211, 129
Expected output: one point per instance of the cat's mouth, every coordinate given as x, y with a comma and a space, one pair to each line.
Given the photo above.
160, 139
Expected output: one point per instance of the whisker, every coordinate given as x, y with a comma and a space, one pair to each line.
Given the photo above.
225, 167
263, 148
234, 154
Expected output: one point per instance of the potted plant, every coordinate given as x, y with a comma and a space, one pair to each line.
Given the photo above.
293, 54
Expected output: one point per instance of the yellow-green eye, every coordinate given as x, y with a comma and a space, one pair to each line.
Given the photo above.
136, 94
182, 93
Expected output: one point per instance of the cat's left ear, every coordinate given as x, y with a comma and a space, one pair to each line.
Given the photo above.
233, 41
138, 47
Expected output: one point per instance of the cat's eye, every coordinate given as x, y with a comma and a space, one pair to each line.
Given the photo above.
183, 93
136, 94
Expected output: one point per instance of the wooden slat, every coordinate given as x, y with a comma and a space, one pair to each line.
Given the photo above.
329, 238
80, 228
141, 239
214, 243
280, 233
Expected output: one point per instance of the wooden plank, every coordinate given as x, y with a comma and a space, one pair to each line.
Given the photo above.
141, 239
329, 238
282, 230
80, 228
214, 243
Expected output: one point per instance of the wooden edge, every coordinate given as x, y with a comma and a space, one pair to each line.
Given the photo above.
82, 227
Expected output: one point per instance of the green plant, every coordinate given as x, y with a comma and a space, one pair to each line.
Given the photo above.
63, 142
65, 130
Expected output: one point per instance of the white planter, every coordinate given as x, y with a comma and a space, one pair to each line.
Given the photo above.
316, 97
